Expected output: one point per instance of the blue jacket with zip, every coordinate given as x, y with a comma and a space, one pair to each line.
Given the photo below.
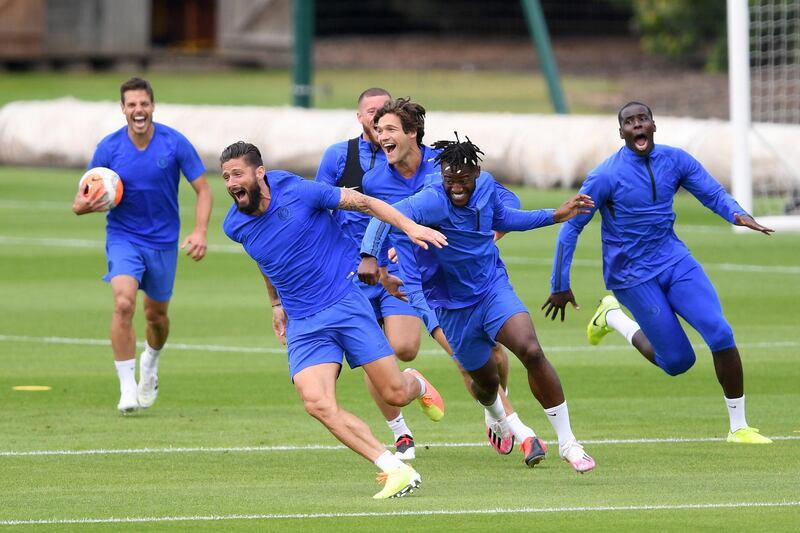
634, 195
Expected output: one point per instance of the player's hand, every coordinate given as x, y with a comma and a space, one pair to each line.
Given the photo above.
750, 222
392, 254
368, 271
422, 236
90, 200
279, 321
558, 301
392, 285
499, 235
577, 205
196, 245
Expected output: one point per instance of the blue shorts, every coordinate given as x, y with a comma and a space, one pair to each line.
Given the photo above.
472, 330
153, 269
346, 329
383, 303
420, 306
681, 290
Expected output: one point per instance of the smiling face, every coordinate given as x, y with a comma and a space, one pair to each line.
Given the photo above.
243, 183
459, 183
366, 112
396, 143
138, 109
637, 128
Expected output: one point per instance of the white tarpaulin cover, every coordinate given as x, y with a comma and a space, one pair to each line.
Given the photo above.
537, 150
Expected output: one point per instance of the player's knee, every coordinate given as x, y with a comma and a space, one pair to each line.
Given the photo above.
320, 408
395, 394
531, 354
721, 339
124, 306
678, 365
406, 352
157, 319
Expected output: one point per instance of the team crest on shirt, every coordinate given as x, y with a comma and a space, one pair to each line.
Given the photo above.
284, 213
162, 162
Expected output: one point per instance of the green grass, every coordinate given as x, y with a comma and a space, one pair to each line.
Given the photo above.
50, 267
441, 90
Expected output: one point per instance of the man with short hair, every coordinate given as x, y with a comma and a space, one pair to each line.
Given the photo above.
648, 268
343, 165
474, 305
142, 233
284, 223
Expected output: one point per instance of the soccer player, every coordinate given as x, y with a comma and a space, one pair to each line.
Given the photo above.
471, 295
648, 268
400, 125
142, 233
343, 165
284, 223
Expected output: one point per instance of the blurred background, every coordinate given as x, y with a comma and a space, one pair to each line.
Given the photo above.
668, 53
548, 57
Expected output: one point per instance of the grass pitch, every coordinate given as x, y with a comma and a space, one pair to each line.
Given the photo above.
229, 447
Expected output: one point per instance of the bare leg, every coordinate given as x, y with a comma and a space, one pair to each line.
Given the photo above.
316, 386
155, 314
501, 361
519, 336
123, 337
403, 333
728, 366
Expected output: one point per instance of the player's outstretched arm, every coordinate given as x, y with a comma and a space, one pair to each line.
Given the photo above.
279, 318
749, 222
558, 301
419, 235
578, 204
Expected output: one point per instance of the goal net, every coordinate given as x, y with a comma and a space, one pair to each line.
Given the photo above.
773, 71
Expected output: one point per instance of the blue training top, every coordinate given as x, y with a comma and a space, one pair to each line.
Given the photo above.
148, 213
297, 243
459, 274
387, 184
635, 197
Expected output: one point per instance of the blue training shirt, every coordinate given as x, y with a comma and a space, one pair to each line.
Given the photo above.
386, 184
148, 213
297, 243
459, 274
635, 197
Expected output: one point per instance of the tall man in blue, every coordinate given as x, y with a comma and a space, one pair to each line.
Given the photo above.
142, 233
410, 165
284, 223
648, 268
343, 165
473, 298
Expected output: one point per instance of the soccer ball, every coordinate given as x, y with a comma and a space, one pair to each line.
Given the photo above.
103, 183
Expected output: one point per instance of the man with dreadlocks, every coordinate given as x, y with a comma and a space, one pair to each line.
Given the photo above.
473, 297
400, 125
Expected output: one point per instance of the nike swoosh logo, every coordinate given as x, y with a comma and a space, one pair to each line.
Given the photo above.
552, 414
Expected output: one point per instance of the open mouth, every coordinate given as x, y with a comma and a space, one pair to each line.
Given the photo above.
458, 197
238, 194
641, 142
389, 148
139, 120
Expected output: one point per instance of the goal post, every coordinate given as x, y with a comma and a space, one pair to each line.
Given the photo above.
764, 83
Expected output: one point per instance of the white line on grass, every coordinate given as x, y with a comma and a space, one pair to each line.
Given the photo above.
321, 447
432, 512
257, 349
510, 259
